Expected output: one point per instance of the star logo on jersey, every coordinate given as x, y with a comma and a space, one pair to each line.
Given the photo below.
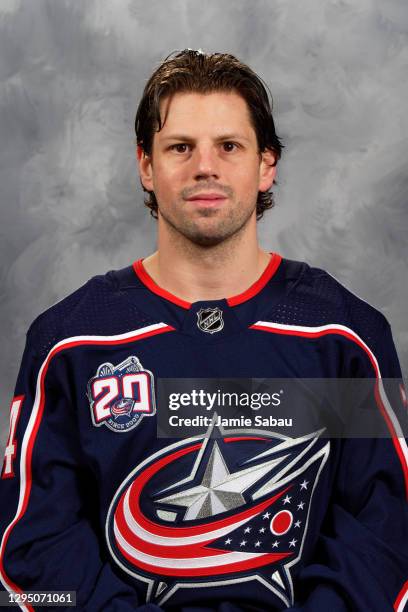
210, 320
216, 511
121, 395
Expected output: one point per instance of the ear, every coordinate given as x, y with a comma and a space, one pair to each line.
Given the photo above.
145, 168
267, 170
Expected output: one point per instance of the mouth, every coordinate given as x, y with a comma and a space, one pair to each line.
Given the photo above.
207, 199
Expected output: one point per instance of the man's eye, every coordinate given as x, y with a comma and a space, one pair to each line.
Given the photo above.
229, 146
179, 148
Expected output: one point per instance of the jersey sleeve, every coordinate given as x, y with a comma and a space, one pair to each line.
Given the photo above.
361, 558
49, 536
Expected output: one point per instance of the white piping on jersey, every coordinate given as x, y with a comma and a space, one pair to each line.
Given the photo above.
34, 413
342, 328
403, 603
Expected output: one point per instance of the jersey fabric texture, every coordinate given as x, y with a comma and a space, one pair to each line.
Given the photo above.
93, 501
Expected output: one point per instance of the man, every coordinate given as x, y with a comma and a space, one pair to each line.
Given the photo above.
94, 501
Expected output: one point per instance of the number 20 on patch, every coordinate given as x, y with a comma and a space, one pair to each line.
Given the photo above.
120, 396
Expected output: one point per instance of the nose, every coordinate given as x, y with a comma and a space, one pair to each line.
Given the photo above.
206, 162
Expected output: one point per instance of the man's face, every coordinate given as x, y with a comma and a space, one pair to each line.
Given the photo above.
205, 167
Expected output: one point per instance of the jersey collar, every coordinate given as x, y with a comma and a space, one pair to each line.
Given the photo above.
249, 293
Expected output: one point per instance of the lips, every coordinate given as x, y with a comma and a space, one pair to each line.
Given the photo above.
207, 197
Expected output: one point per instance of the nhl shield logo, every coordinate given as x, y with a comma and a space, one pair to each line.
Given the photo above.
121, 395
210, 320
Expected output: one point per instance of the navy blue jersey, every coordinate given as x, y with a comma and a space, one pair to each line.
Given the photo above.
92, 500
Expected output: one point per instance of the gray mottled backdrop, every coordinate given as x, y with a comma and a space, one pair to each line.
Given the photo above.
71, 74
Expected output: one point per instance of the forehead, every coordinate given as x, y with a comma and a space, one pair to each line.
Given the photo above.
199, 113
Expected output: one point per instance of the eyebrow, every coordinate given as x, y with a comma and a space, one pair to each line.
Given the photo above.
222, 137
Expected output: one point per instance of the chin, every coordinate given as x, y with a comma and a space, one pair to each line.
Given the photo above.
204, 240
207, 231
208, 238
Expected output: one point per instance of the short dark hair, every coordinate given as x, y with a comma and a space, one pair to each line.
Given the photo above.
195, 71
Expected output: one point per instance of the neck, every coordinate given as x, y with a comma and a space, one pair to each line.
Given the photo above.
194, 273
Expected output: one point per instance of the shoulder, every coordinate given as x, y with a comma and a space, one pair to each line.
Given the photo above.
317, 298
99, 307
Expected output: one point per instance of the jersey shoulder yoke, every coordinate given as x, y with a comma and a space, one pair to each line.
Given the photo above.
99, 307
